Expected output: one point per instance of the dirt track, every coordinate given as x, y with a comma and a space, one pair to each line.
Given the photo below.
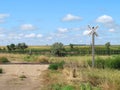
10, 79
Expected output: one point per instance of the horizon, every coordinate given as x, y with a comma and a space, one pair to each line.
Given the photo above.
46, 22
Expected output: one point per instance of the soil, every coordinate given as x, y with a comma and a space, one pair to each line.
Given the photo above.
21, 77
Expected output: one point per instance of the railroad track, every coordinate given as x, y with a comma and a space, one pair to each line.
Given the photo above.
24, 63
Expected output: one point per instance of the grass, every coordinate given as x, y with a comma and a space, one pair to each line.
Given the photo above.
98, 78
106, 79
1, 70
22, 77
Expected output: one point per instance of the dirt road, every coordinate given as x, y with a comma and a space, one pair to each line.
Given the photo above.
21, 77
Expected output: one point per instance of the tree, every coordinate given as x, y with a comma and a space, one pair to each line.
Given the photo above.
71, 46
107, 45
58, 49
22, 46
11, 47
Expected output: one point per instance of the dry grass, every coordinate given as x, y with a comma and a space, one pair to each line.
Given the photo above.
13, 57
106, 79
42, 59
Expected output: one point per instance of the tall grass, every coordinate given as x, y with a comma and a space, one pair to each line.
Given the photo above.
111, 62
103, 77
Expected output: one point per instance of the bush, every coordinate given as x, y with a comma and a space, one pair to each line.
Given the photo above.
42, 59
3, 60
29, 58
87, 86
68, 87
1, 70
113, 62
61, 87
58, 49
57, 65
56, 87
99, 63
22, 77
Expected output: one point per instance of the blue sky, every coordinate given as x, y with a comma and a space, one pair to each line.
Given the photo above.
42, 22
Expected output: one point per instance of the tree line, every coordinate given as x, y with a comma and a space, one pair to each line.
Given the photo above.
19, 46
59, 49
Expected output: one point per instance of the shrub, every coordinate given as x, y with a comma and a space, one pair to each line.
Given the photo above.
56, 87
58, 49
22, 77
100, 63
62, 87
85, 87
3, 60
57, 65
113, 62
42, 59
68, 87
1, 70
29, 58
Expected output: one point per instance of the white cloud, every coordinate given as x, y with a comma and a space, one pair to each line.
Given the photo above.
2, 21
70, 17
32, 35
111, 30
2, 35
2, 29
62, 30
27, 27
108, 22
3, 16
49, 38
39, 36
104, 19
86, 32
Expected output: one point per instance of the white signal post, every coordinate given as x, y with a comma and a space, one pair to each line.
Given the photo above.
93, 33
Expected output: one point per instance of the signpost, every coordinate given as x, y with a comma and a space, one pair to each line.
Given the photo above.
93, 33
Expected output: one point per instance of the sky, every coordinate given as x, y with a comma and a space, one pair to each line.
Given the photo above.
44, 22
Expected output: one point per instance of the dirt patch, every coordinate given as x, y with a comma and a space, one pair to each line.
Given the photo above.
12, 77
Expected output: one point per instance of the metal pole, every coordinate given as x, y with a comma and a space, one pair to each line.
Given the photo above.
93, 57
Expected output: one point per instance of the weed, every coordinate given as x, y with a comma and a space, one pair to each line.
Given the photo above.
22, 77
42, 59
1, 70
57, 65
68, 87
111, 62
3, 60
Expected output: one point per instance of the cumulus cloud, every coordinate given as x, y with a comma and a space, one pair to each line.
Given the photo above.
105, 19
27, 27
2, 29
49, 38
39, 36
70, 17
2, 35
111, 30
108, 22
3, 16
62, 30
86, 32
32, 35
